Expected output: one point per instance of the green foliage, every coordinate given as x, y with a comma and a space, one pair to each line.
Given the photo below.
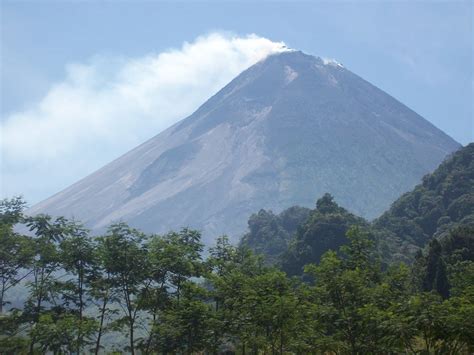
187, 326
86, 293
12, 337
324, 230
348, 288
269, 234
124, 259
172, 260
16, 253
61, 333
444, 201
77, 259
446, 265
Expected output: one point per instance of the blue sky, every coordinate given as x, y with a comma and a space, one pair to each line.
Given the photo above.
419, 52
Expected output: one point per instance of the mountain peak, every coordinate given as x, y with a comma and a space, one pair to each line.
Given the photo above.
270, 78
297, 57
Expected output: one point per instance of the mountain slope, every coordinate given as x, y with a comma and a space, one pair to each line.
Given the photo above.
285, 131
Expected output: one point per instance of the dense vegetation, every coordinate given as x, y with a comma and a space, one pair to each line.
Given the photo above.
327, 281
269, 234
324, 230
443, 202
84, 294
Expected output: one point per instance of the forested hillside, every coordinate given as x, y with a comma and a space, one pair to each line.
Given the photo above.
128, 292
443, 201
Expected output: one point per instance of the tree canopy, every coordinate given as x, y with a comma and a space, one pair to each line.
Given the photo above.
127, 291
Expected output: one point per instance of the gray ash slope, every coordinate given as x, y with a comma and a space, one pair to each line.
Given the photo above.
282, 133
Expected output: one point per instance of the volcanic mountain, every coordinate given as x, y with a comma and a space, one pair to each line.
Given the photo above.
282, 133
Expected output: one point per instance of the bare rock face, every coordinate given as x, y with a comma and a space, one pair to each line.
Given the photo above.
282, 133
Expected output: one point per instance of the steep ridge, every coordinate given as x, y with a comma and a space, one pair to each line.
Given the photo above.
283, 132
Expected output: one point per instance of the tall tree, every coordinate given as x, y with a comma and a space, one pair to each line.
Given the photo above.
77, 259
42, 287
345, 289
102, 292
16, 252
125, 259
173, 259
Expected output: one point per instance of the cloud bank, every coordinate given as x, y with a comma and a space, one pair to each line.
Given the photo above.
107, 106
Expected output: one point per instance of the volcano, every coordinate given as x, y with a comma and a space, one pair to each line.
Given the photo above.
284, 132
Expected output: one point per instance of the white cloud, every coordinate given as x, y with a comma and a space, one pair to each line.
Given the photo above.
107, 106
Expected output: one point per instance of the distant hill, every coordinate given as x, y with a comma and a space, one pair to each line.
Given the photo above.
289, 128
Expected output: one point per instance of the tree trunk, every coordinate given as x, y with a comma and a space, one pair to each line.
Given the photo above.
81, 307
38, 309
132, 348
150, 337
2, 294
101, 325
